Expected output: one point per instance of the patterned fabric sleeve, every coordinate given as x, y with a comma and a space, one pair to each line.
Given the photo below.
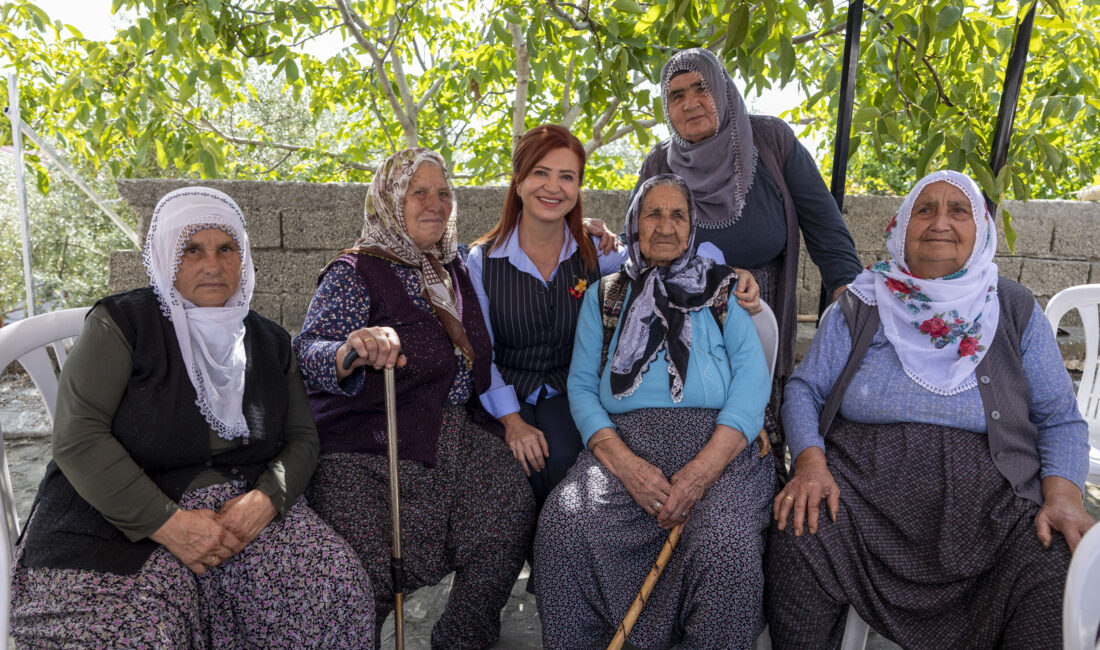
340, 306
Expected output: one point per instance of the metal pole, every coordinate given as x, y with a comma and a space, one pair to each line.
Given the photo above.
12, 112
844, 116
45, 149
1006, 113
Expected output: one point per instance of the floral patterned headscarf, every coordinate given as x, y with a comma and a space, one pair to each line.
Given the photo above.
940, 327
384, 235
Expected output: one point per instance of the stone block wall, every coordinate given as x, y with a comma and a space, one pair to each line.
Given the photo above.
296, 228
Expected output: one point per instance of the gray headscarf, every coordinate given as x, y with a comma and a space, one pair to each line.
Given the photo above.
657, 314
719, 169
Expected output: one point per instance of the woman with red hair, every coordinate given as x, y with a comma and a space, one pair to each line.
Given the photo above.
530, 272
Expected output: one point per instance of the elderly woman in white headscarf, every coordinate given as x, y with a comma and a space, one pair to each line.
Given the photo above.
170, 515
939, 454
667, 387
402, 298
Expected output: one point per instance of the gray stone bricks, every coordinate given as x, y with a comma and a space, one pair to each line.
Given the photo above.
296, 228
1047, 277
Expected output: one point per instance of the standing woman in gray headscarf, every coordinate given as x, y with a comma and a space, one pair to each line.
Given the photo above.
755, 188
170, 514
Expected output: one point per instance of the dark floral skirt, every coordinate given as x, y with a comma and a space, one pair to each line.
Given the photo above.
297, 585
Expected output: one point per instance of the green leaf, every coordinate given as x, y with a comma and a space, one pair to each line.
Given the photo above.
162, 156
512, 17
930, 148
864, 116
501, 31
947, 17
291, 71
628, 6
983, 175
737, 28
1009, 229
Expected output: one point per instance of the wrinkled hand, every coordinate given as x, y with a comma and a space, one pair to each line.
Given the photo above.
527, 443
811, 483
1062, 511
245, 516
378, 347
646, 484
688, 486
747, 292
597, 228
839, 290
197, 539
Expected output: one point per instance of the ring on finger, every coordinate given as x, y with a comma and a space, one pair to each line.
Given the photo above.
657, 505
788, 497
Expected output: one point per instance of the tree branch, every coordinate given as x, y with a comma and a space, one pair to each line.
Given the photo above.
587, 25
206, 125
928, 64
523, 80
355, 24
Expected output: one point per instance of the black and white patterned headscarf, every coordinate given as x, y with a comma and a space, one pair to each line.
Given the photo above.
718, 169
656, 315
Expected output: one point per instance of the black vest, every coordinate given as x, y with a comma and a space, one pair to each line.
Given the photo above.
533, 324
67, 532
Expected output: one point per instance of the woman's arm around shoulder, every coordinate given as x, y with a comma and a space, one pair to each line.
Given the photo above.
583, 384
750, 382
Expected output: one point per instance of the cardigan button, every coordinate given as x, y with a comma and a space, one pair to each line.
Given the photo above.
1000, 455
996, 415
984, 379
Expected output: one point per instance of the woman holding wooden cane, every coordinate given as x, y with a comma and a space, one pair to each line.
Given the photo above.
401, 298
667, 420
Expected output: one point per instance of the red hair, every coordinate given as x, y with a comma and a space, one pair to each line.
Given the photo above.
535, 145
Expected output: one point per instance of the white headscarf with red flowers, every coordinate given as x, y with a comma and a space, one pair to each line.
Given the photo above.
939, 327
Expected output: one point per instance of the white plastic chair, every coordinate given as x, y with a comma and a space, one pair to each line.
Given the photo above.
768, 330
855, 629
25, 341
1081, 604
1086, 300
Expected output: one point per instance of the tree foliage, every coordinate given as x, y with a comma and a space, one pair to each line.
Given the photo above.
178, 90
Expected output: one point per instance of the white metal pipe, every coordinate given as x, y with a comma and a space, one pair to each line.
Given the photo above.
13, 114
45, 148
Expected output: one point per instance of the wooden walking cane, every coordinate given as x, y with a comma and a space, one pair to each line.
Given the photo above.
635, 610
397, 565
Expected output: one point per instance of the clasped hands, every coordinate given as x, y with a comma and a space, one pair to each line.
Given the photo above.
202, 539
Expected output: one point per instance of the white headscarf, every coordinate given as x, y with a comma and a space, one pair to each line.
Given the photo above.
211, 339
940, 327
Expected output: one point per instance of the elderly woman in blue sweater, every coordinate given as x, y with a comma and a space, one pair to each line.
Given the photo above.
667, 417
939, 454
